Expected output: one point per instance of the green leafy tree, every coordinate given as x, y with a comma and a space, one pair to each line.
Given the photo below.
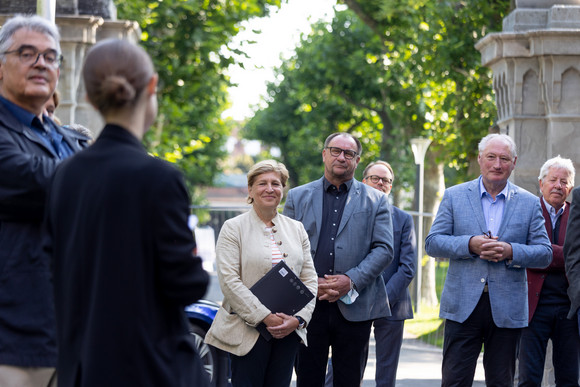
187, 40
339, 80
401, 68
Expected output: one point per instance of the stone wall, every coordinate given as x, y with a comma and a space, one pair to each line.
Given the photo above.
536, 79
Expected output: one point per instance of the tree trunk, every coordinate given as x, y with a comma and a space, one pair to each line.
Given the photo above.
433, 191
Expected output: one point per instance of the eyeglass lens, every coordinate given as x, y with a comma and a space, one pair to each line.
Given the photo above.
348, 154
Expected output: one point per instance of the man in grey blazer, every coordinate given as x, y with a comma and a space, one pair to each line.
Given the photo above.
491, 231
351, 238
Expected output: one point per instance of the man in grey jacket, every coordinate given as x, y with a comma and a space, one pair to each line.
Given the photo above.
31, 146
351, 238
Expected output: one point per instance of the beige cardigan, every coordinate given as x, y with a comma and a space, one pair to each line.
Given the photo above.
243, 240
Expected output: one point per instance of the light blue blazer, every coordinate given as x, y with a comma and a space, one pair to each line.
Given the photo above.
460, 216
363, 246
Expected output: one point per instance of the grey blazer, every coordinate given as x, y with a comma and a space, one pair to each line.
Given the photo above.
363, 246
460, 216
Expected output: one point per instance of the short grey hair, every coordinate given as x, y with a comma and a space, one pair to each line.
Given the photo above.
503, 137
359, 147
29, 22
558, 163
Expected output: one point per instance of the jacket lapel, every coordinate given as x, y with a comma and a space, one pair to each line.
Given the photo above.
475, 202
510, 204
352, 202
316, 195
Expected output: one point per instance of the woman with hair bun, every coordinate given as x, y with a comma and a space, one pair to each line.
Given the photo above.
123, 263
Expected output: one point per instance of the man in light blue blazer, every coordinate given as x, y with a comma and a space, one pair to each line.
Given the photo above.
491, 231
351, 237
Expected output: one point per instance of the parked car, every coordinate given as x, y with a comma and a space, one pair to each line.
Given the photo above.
215, 361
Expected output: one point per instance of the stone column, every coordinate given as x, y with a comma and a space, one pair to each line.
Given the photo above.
536, 79
78, 34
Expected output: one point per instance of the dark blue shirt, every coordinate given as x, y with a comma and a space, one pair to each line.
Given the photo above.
47, 132
333, 202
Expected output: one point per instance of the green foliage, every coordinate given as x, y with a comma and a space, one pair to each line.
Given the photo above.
386, 71
187, 40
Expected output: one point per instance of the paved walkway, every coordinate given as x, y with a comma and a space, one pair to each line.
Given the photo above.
420, 366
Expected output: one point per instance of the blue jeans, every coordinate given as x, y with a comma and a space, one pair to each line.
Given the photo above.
550, 322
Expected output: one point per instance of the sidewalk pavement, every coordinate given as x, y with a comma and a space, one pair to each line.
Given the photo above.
419, 365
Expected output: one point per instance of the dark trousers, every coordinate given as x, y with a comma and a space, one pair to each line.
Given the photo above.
268, 364
388, 338
388, 341
462, 345
549, 322
328, 328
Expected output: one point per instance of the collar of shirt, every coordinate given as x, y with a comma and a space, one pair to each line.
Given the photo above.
23, 115
554, 215
344, 186
503, 194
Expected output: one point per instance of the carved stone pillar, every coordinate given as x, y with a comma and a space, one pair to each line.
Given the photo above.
536, 79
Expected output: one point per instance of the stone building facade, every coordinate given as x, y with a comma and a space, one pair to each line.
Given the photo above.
536, 79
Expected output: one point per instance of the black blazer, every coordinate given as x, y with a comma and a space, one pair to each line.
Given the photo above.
123, 268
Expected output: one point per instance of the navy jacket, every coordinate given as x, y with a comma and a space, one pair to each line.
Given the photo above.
399, 274
27, 327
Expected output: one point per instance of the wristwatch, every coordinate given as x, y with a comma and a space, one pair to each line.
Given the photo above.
301, 322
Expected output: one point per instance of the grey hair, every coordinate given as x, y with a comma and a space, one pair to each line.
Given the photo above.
558, 163
29, 22
502, 137
359, 148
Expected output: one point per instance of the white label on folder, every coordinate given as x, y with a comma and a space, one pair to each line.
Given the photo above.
283, 272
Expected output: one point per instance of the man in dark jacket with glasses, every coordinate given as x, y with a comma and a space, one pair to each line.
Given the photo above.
31, 146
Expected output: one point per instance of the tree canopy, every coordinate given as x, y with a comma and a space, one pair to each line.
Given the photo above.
386, 71
188, 41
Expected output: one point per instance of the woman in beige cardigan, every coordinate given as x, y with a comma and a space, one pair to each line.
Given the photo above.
247, 248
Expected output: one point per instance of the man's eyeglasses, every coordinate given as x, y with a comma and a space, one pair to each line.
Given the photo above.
375, 179
335, 152
29, 55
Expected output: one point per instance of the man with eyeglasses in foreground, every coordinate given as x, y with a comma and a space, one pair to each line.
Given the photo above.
351, 238
388, 331
31, 146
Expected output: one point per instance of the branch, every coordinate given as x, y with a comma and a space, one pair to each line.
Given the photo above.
354, 6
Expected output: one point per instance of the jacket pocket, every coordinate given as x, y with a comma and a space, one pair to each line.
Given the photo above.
228, 328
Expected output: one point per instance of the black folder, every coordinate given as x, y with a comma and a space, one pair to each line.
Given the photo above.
281, 291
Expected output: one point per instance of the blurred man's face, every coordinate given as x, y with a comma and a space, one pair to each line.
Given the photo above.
379, 177
556, 187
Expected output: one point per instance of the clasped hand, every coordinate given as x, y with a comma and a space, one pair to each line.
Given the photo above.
280, 325
490, 248
332, 287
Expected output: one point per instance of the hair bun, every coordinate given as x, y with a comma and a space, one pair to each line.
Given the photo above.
118, 89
